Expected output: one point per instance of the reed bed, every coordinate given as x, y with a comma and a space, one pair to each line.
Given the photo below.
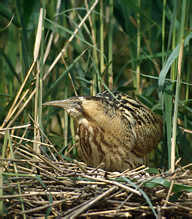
56, 50
45, 184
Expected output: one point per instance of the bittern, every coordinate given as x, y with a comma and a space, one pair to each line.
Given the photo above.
115, 130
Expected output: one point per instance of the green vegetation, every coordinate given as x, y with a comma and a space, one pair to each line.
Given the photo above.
138, 47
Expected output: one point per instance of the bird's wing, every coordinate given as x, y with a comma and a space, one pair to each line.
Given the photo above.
148, 126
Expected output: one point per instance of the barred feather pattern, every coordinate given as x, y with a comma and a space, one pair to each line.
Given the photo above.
115, 130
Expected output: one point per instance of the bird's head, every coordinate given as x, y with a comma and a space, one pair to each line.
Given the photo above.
93, 108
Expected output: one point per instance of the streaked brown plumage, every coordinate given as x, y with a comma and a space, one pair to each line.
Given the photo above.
118, 132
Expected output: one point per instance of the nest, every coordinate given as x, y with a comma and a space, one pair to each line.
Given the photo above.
45, 184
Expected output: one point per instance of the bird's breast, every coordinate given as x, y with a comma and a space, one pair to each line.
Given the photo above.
96, 147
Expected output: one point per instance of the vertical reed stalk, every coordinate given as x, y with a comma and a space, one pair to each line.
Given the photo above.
173, 146
110, 46
138, 48
163, 34
41, 71
101, 39
94, 53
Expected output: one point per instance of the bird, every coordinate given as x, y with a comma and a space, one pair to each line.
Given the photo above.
113, 129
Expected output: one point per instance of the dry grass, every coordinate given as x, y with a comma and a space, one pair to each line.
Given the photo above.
38, 184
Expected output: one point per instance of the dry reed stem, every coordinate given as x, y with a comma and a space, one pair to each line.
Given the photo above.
73, 189
70, 39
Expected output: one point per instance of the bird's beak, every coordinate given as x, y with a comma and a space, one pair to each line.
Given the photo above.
66, 104
55, 103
